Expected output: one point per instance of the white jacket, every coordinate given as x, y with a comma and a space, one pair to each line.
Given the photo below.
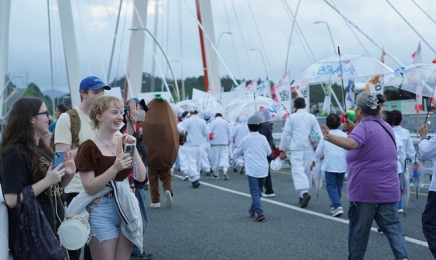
297, 129
221, 131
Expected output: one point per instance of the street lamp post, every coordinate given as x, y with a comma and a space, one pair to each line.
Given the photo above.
331, 37
263, 60
166, 58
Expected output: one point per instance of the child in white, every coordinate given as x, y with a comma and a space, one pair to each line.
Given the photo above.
334, 165
255, 149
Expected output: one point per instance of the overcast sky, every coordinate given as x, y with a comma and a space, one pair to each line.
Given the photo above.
268, 31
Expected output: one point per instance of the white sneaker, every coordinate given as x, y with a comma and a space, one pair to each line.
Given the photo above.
155, 205
400, 210
272, 195
331, 210
226, 177
185, 178
337, 212
169, 199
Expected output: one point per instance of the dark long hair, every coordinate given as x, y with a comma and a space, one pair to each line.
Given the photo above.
19, 131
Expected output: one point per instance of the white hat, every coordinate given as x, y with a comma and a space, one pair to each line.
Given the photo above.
193, 109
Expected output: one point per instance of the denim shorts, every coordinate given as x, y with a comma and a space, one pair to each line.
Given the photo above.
104, 220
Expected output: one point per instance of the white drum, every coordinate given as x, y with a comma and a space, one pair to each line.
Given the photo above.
74, 232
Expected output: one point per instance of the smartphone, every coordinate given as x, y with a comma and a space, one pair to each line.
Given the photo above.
58, 158
130, 149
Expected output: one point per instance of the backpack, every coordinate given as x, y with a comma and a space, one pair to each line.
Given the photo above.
75, 129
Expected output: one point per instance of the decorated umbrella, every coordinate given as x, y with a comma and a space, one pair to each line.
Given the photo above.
405, 184
417, 78
264, 108
340, 68
203, 104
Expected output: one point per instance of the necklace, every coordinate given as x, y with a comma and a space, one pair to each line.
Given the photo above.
109, 147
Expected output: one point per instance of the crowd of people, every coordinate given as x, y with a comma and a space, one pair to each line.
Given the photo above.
100, 178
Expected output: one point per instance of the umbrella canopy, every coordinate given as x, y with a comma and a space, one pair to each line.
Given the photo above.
418, 78
203, 104
341, 66
265, 109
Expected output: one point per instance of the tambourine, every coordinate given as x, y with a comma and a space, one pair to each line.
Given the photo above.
74, 232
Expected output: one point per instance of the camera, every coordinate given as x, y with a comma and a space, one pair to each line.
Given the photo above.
126, 108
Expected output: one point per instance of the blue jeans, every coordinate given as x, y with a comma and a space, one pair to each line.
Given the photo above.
256, 185
361, 216
140, 195
334, 182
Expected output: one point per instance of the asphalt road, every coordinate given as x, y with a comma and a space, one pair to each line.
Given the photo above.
212, 222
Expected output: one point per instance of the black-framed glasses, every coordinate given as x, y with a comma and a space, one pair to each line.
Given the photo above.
44, 113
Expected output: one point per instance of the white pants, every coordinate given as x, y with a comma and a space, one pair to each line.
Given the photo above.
237, 162
219, 158
205, 161
183, 160
301, 174
193, 155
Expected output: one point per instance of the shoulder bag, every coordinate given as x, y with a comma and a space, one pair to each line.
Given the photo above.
31, 236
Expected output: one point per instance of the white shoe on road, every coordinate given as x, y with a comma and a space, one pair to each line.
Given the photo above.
169, 199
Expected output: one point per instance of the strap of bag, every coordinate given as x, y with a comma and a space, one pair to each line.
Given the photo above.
393, 140
75, 126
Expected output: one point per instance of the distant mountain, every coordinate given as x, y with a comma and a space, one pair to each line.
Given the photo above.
55, 94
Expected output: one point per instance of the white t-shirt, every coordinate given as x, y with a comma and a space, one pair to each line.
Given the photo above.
63, 135
255, 149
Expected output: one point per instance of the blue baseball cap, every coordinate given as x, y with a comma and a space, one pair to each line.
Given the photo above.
92, 82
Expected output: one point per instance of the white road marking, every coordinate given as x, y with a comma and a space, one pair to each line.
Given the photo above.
344, 221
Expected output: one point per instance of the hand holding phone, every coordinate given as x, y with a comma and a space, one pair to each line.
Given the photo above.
58, 158
130, 149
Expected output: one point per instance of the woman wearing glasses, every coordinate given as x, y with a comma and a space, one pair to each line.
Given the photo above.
26, 160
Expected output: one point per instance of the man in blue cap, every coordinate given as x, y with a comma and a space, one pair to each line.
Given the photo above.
77, 122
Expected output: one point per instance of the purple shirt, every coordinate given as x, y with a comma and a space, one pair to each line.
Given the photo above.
372, 167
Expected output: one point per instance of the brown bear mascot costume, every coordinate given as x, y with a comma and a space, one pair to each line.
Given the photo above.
162, 141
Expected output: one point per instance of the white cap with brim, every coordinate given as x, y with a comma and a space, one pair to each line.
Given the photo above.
193, 109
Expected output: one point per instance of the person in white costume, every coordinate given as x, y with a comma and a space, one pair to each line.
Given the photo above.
296, 138
220, 137
183, 160
205, 160
239, 131
195, 130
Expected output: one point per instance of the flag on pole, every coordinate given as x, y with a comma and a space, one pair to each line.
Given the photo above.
252, 86
349, 95
374, 85
327, 100
416, 56
302, 91
264, 88
283, 95
278, 84
418, 98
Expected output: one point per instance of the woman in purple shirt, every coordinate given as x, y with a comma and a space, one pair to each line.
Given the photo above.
373, 185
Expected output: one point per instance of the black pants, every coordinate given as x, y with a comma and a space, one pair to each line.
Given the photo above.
268, 183
75, 254
429, 222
